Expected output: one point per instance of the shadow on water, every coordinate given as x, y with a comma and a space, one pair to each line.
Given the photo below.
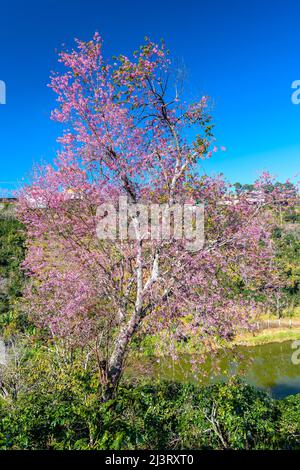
267, 366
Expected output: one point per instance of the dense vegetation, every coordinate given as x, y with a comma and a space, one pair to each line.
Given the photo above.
69, 415
11, 254
287, 239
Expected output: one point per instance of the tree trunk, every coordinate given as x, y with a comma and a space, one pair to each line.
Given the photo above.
116, 362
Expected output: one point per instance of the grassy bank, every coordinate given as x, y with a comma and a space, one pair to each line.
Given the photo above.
268, 335
154, 346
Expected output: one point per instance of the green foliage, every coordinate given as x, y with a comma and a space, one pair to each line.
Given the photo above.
290, 422
288, 258
149, 416
12, 251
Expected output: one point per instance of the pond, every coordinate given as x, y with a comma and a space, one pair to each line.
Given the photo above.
269, 367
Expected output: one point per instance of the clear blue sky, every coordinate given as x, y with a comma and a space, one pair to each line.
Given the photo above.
244, 54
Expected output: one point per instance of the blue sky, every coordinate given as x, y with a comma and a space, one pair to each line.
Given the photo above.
244, 54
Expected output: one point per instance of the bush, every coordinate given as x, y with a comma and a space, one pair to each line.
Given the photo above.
163, 416
289, 424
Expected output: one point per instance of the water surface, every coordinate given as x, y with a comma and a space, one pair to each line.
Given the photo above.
267, 366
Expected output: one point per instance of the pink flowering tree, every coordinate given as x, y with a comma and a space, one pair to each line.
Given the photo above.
129, 132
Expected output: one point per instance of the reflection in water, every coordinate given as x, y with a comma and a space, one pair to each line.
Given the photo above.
268, 366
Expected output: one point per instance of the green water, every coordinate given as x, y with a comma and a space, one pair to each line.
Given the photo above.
268, 367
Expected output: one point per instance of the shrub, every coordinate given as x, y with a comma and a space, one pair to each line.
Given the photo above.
163, 416
289, 424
